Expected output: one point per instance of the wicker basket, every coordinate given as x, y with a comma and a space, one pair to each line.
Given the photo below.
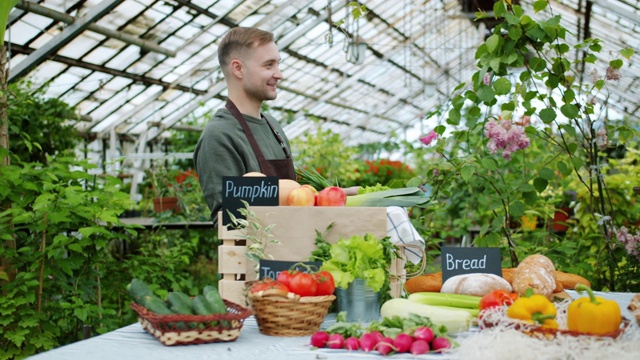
179, 329
286, 314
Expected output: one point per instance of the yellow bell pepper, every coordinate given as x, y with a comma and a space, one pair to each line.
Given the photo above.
534, 309
593, 314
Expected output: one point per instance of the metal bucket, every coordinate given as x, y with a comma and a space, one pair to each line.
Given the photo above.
360, 302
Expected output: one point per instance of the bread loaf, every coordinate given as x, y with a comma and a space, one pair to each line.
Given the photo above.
433, 282
536, 272
474, 284
507, 274
569, 281
427, 282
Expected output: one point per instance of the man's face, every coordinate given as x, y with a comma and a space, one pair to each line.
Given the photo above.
262, 72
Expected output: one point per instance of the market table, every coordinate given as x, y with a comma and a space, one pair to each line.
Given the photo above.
132, 342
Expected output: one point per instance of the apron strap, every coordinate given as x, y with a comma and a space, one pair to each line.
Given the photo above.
281, 168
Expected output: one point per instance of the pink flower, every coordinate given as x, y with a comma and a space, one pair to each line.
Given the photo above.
631, 242
613, 74
427, 139
487, 79
506, 137
601, 138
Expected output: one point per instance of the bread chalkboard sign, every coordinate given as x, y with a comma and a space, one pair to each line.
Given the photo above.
466, 260
271, 268
256, 191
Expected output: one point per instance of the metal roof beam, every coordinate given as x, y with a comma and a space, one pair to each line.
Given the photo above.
68, 19
19, 49
68, 34
149, 100
619, 10
335, 104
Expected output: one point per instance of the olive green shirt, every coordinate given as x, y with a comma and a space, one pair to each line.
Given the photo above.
224, 150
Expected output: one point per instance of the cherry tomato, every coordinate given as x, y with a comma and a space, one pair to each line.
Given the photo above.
326, 285
497, 298
303, 284
266, 284
286, 276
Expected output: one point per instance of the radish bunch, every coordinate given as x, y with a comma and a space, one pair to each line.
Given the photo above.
420, 341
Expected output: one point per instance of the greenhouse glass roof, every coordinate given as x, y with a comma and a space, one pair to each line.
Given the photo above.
134, 68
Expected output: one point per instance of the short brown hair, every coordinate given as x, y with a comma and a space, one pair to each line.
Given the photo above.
239, 39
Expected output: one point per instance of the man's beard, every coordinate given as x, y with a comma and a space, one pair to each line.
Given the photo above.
262, 94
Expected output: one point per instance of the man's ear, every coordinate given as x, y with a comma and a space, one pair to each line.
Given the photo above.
237, 68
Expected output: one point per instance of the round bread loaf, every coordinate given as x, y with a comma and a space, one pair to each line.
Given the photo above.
475, 284
535, 272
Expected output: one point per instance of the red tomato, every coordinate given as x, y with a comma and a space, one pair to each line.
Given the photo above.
266, 284
286, 276
497, 298
303, 284
326, 285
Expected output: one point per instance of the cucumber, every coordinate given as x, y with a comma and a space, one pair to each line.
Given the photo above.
180, 303
201, 306
212, 296
154, 304
138, 289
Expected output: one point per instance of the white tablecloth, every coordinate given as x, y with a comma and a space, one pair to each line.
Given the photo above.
132, 342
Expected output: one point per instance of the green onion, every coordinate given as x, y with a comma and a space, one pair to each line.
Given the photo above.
312, 178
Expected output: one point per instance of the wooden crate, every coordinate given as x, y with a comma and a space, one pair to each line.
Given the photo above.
295, 229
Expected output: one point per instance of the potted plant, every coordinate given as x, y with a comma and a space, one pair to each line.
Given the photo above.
360, 268
563, 211
166, 190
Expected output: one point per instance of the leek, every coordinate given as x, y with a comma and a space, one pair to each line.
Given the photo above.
404, 197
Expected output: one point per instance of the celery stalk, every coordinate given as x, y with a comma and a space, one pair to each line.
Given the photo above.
444, 299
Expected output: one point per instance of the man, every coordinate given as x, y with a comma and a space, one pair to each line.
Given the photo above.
240, 139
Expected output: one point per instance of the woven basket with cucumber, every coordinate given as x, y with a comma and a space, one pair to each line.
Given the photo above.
184, 320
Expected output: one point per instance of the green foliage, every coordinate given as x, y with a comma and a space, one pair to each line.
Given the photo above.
526, 77
326, 152
38, 126
65, 223
66, 257
60, 219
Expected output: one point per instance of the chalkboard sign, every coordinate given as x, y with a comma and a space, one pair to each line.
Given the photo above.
466, 260
271, 268
256, 191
